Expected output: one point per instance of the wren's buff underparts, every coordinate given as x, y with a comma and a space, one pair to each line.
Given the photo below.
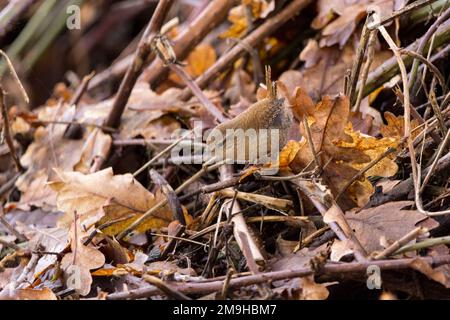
257, 134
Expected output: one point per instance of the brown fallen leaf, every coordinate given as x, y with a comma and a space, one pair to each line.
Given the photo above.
102, 197
325, 68
395, 126
54, 240
78, 263
385, 223
49, 150
440, 274
30, 294
342, 151
249, 8
339, 18
304, 288
198, 61
96, 146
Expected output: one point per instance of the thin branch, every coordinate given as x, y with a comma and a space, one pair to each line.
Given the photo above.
168, 290
160, 154
86, 124
400, 242
324, 203
351, 87
311, 144
162, 203
209, 106
365, 169
423, 244
413, 6
423, 43
213, 14
429, 64
232, 208
407, 127
15, 76
9, 227
366, 68
430, 172
388, 69
336, 269
7, 131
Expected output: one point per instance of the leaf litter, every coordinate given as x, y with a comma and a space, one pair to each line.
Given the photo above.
101, 193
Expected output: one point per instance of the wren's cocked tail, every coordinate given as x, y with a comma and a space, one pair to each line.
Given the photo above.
256, 135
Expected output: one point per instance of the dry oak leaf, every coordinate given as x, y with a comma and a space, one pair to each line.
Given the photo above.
54, 240
386, 222
372, 147
78, 263
344, 151
199, 60
440, 274
239, 15
29, 294
303, 288
49, 149
101, 197
325, 69
339, 18
97, 146
395, 126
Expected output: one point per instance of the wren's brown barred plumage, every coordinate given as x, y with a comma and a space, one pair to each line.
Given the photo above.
271, 114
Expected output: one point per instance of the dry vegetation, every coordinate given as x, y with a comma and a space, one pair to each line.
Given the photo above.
94, 204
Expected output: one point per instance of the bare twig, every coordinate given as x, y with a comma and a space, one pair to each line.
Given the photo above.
322, 200
149, 142
239, 226
15, 76
174, 202
71, 130
62, 122
162, 203
413, 6
211, 16
430, 172
10, 14
423, 43
366, 67
404, 188
160, 154
209, 106
351, 87
10, 228
389, 68
365, 169
311, 144
7, 132
429, 64
168, 290
423, 244
400, 242
8, 185
407, 127
336, 269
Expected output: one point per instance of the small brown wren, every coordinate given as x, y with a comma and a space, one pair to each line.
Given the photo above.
270, 119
